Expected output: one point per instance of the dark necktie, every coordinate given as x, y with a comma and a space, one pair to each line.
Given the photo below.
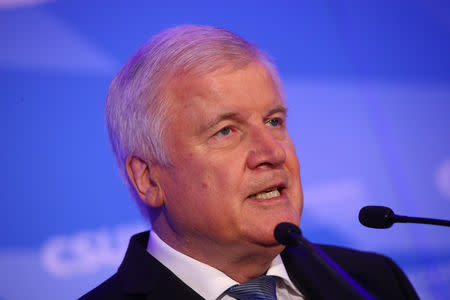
260, 288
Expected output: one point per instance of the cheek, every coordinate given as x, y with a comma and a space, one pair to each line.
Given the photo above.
293, 166
291, 157
212, 180
199, 178
220, 186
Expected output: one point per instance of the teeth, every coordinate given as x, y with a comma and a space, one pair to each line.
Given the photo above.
266, 195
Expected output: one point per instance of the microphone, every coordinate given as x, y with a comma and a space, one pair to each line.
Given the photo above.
384, 217
289, 234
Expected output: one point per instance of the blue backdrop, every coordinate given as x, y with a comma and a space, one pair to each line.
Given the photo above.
369, 102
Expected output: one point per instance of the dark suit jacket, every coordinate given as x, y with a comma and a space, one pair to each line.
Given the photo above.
140, 276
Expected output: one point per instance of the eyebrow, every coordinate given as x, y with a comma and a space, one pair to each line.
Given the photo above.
277, 109
238, 117
221, 117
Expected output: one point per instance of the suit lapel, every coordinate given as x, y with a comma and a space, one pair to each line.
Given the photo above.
144, 277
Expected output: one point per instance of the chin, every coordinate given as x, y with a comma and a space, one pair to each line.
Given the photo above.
259, 228
263, 235
289, 217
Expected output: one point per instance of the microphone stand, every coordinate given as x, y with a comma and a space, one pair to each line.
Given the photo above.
347, 282
290, 235
383, 217
405, 219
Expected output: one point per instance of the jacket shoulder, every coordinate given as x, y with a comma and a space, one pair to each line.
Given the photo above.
351, 259
109, 289
373, 270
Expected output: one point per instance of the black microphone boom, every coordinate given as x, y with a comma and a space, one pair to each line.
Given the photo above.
289, 234
384, 217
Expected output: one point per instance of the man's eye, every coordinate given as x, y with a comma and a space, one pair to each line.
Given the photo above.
224, 131
274, 122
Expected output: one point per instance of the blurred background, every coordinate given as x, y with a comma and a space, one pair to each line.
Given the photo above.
368, 88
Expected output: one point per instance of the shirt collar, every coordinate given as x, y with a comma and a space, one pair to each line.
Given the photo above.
207, 281
278, 269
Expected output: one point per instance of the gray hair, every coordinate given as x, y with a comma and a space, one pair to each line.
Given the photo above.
137, 108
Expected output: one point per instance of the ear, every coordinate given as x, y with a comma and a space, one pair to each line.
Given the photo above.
140, 175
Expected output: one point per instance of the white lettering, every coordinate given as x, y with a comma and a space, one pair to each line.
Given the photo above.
86, 252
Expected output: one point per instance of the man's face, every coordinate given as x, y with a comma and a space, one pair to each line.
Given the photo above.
234, 174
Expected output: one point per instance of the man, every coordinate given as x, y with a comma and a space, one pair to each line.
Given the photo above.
197, 122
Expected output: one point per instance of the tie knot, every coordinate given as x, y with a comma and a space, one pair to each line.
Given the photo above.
260, 288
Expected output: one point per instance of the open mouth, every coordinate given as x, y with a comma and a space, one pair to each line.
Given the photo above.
269, 193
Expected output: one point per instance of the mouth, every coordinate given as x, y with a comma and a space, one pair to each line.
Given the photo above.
269, 193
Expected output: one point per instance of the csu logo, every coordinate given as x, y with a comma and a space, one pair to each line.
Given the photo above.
87, 252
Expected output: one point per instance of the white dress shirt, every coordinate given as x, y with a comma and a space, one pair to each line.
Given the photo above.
209, 282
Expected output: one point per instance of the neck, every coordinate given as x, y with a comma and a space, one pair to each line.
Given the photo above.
240, 262
248, 267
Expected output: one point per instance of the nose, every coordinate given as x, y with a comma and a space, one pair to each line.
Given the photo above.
266, 151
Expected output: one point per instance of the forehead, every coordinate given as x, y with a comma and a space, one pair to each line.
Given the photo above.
247, 89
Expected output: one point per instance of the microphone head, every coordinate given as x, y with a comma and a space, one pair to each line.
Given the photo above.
285, 234
376, 216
